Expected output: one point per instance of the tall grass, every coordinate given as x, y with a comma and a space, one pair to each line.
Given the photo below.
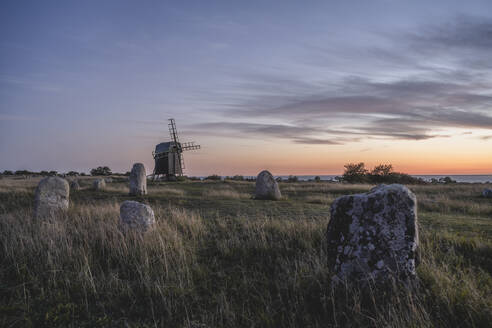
200, 269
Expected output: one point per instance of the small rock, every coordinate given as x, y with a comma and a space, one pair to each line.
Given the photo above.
138, 180
135, 215
374, 235
487, 193
74, 185
267, 187
99, 184
51, 196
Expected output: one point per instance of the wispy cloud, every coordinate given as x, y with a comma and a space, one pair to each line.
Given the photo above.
415, 104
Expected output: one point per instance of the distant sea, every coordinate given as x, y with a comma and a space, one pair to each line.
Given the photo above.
457, 178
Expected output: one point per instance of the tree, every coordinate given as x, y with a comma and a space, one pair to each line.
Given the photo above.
292, 178
382, 170
22, 172
214, 177
317, 179
355, 172
72, 173
7, 172
101, 170
446, 180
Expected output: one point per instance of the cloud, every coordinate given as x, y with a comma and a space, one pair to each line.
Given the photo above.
438, 77
317, 141
300, 134
271, 130
465, 32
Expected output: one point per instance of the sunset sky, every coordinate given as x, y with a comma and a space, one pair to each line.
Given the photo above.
296, 87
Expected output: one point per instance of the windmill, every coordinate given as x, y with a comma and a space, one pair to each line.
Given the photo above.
168, 155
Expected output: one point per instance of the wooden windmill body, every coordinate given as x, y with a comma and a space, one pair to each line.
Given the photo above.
168, 156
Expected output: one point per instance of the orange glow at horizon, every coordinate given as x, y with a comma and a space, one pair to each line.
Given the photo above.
458, 154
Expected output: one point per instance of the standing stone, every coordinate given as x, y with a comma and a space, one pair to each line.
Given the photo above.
51, 196
135, 215
267, 187
99, 184
74, 185
487, 193
108, 180
374, 235
138, 180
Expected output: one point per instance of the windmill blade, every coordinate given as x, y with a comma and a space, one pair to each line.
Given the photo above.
189, 146
173, 131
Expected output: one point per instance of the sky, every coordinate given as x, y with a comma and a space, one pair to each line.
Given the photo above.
295, 87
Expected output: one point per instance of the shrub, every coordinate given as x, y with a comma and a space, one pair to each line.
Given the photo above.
213, 177
382, 173
235, 178
101, 170
22, 172
355, 173
292, 178
446, 180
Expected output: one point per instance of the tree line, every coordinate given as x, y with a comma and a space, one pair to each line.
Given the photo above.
100, 170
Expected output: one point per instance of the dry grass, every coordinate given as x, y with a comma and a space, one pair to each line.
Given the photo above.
166, 190
320, 199
226, 192
253, 266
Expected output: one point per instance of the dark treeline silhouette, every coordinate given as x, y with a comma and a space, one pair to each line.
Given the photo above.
382, 173
100, 170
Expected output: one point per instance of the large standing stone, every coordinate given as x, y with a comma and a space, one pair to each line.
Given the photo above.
74, 185
135, 215
374, 235
267, 187
99, 184
487, 193
138, 180
51, 196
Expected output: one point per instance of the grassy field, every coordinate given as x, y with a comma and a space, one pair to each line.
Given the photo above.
218, 258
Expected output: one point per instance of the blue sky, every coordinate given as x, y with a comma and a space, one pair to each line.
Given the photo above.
257, 83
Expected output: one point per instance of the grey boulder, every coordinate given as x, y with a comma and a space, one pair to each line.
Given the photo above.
135, 215
138, 180
99, 184
74, 185
267, 187
51, 196
374, 236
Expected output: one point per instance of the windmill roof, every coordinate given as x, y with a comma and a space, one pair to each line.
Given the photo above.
164, 147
